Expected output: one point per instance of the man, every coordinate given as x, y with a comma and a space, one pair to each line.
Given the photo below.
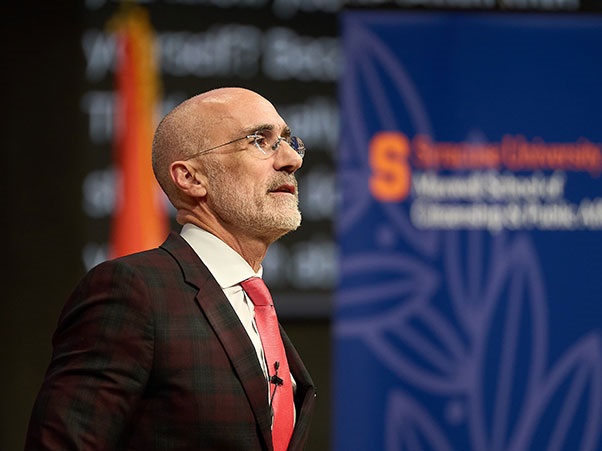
162, 350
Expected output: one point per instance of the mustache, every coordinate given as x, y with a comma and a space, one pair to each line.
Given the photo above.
278, 181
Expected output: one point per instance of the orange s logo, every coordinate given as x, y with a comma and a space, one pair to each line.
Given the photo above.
391, 173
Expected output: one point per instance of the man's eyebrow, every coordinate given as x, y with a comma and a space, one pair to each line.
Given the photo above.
286, 131
257, 128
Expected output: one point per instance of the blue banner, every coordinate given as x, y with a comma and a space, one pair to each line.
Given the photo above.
468, 314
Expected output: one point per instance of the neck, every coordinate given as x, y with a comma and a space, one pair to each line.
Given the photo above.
252, 249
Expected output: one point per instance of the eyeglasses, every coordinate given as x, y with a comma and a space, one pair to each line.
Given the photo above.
266, 141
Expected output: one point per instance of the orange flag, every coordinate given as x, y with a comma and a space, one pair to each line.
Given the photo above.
140, 218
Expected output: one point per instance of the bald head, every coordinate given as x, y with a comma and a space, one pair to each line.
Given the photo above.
195, 124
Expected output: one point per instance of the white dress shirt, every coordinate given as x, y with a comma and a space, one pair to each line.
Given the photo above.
229, 269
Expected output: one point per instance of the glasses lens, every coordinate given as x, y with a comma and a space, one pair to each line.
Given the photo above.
297, 145
266, 140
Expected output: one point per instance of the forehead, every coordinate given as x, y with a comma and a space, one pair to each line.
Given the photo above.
246, 112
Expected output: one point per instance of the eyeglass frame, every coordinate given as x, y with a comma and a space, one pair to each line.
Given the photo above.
300, 150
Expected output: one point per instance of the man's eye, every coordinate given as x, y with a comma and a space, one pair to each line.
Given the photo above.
261, 140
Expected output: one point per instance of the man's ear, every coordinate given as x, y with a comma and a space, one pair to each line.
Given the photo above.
188, 179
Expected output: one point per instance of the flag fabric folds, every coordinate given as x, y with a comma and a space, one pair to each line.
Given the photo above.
140, 219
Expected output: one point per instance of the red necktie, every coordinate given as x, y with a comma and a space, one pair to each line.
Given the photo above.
281, 389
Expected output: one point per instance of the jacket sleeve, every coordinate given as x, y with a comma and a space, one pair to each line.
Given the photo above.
102, 356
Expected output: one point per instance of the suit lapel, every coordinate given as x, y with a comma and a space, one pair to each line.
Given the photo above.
228, 328
304, 397
241, 352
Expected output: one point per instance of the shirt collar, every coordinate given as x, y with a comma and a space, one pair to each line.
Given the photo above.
225, 264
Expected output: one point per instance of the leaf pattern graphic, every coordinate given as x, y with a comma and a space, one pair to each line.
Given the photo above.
410, 337
510, 344
378, 67
575, 386
411, 427
494, 356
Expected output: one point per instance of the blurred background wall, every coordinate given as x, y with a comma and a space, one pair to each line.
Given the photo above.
56, 134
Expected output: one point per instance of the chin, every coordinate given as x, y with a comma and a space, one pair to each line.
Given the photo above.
282, 226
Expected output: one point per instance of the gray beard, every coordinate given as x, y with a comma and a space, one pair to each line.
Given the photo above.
267, 218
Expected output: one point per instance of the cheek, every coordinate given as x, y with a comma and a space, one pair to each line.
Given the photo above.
249, 175
253, 181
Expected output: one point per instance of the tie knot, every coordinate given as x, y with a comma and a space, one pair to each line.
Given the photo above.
257, 291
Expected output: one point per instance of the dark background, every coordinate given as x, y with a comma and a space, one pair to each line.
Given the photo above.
49, 154
45, 139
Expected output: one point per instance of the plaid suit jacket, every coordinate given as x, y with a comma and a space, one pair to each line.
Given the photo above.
149, 355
